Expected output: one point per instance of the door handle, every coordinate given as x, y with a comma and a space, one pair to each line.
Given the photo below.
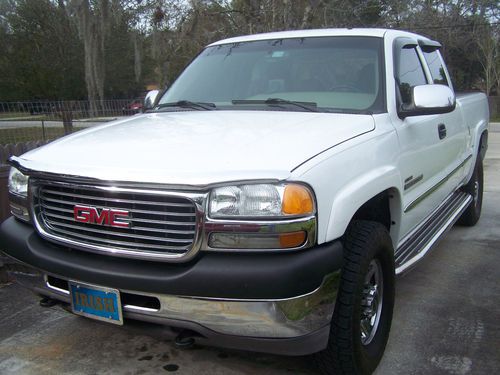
442, 131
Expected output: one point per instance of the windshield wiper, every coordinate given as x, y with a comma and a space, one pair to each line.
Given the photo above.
188, 104
309, 106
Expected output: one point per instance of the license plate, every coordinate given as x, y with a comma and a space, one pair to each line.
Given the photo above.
96, 302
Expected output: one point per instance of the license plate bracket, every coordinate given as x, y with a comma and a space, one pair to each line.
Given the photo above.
96, 302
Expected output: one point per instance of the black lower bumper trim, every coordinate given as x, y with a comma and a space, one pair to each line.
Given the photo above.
220, 275
293, 346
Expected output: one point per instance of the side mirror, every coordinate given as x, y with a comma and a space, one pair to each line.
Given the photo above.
429, 100
150, 99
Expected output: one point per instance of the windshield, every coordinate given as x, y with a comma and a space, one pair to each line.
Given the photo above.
330, 74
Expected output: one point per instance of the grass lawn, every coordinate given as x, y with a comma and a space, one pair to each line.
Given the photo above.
16, 135
5, 115
20, 116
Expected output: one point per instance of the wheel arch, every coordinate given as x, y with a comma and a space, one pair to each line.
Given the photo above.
478, 151
483, 144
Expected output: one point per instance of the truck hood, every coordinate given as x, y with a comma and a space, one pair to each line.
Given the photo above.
197, 148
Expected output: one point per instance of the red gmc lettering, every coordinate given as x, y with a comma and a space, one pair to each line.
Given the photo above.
114, 215
107, 216
100, 218
81, 214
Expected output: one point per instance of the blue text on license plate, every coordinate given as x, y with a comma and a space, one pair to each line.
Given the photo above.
96, 302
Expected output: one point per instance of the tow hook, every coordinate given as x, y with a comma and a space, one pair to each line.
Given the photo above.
185, 339
48, 302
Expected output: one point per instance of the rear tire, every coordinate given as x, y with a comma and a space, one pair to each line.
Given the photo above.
474, 187
363, 311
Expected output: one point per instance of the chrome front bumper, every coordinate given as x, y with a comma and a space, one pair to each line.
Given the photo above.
266, 319
275, 303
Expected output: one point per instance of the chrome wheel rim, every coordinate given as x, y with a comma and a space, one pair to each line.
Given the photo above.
371, 302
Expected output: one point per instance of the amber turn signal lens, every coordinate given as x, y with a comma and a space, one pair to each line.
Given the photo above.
295, 239
297, 200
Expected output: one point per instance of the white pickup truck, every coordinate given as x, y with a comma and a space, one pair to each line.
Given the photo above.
265, 201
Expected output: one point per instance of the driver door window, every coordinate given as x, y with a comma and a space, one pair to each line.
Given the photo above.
410, 73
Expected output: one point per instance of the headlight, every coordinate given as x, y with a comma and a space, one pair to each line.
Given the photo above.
18, 183
261, 217
18, 194
261, 200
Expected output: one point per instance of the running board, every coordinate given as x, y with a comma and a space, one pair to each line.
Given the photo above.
415, 246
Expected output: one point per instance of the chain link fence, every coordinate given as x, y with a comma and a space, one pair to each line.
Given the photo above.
48, 120
28, 125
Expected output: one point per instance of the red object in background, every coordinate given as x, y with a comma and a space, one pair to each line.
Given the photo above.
133, 107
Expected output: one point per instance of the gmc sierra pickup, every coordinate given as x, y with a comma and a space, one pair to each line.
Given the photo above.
266, 201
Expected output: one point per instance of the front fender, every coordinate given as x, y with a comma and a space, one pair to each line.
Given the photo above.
359, 191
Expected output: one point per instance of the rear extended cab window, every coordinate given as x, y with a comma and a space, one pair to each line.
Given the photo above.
436, 67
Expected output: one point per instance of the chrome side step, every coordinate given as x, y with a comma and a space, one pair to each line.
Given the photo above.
426, 236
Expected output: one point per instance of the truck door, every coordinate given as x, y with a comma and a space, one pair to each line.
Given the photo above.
431, 145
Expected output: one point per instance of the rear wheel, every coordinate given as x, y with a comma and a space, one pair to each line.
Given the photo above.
363, 312
475, 188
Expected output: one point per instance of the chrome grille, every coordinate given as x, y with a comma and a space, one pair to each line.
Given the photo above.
160, 225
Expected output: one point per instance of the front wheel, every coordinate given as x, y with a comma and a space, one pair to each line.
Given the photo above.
363, 311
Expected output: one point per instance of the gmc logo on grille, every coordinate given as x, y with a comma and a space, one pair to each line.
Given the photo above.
107, 216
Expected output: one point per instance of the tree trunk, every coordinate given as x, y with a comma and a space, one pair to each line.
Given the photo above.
137, 56
93, 24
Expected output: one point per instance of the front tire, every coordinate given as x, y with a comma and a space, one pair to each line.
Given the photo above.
363, 311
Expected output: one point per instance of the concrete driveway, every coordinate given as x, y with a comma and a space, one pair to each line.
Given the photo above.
446, 320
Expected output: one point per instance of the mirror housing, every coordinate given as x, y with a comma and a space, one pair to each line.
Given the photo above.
429, 100
150, 99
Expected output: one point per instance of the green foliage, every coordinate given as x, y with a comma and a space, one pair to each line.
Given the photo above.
42, 56
120, 81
